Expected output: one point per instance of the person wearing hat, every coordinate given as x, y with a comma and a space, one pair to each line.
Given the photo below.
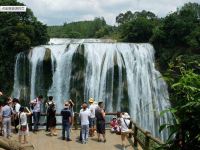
114, 125
6, 115
124, 123
16, 107
92, 108
66, 121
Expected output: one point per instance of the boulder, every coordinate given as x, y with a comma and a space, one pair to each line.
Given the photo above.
7, 144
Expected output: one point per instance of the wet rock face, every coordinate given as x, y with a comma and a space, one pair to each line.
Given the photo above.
77, 77
47, 71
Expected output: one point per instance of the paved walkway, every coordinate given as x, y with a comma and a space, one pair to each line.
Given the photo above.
42, 141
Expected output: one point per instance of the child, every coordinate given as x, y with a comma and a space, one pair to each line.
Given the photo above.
23, 124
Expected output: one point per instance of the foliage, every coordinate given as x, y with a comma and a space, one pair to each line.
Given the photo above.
186, 111
18, 32
137, 27
184, 86
82, 29
129, 16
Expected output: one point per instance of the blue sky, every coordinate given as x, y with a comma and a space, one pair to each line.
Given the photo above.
56, 12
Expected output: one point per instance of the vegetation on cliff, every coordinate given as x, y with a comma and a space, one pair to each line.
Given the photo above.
18, 32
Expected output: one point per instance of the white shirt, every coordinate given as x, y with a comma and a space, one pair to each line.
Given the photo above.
124, 127
37, 105
84, 116
92, 110
23, 118
17, 107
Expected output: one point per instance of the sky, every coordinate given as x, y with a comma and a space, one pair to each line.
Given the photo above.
57, 12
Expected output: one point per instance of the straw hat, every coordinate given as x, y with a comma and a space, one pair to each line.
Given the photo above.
91, 100
126, 115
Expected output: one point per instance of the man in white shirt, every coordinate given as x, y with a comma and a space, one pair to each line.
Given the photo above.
84, 116
36, 104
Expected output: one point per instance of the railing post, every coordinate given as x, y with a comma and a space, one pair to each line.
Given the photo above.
135, 136
76, 121
130, 134
146, 145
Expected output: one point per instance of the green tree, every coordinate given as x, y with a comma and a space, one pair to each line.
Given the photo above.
136, 27
18, 32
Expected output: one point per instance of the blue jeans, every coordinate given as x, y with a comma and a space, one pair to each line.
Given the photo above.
7, 127
36, 119
66, 128
85, 132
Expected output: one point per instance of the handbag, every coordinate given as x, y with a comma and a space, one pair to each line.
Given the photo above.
23, 127
20, 126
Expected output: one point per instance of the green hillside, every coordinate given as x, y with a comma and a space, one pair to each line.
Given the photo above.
82, 29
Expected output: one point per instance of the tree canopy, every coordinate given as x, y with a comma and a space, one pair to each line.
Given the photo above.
82, 29
18, 32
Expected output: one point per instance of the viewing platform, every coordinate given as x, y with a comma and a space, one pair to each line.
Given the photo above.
138, 139
42, 141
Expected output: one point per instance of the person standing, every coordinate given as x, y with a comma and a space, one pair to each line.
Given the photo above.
23, 124
35, 106
100, 123
6, 115
51, 116
71, 108
92, 108
49, 103
84, 116
16, 107
124, 123
66, 121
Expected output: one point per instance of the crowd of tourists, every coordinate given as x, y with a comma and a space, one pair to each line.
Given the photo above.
91, 115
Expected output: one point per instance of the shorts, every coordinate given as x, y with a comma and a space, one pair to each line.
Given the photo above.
92, 122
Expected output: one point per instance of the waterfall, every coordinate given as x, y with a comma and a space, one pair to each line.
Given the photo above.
36, 57
123, 75
20, 76
61, 56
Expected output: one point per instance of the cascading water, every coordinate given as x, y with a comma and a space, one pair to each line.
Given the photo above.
123, 75
36, 57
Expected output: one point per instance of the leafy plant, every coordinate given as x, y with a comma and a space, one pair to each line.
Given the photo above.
186, 96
